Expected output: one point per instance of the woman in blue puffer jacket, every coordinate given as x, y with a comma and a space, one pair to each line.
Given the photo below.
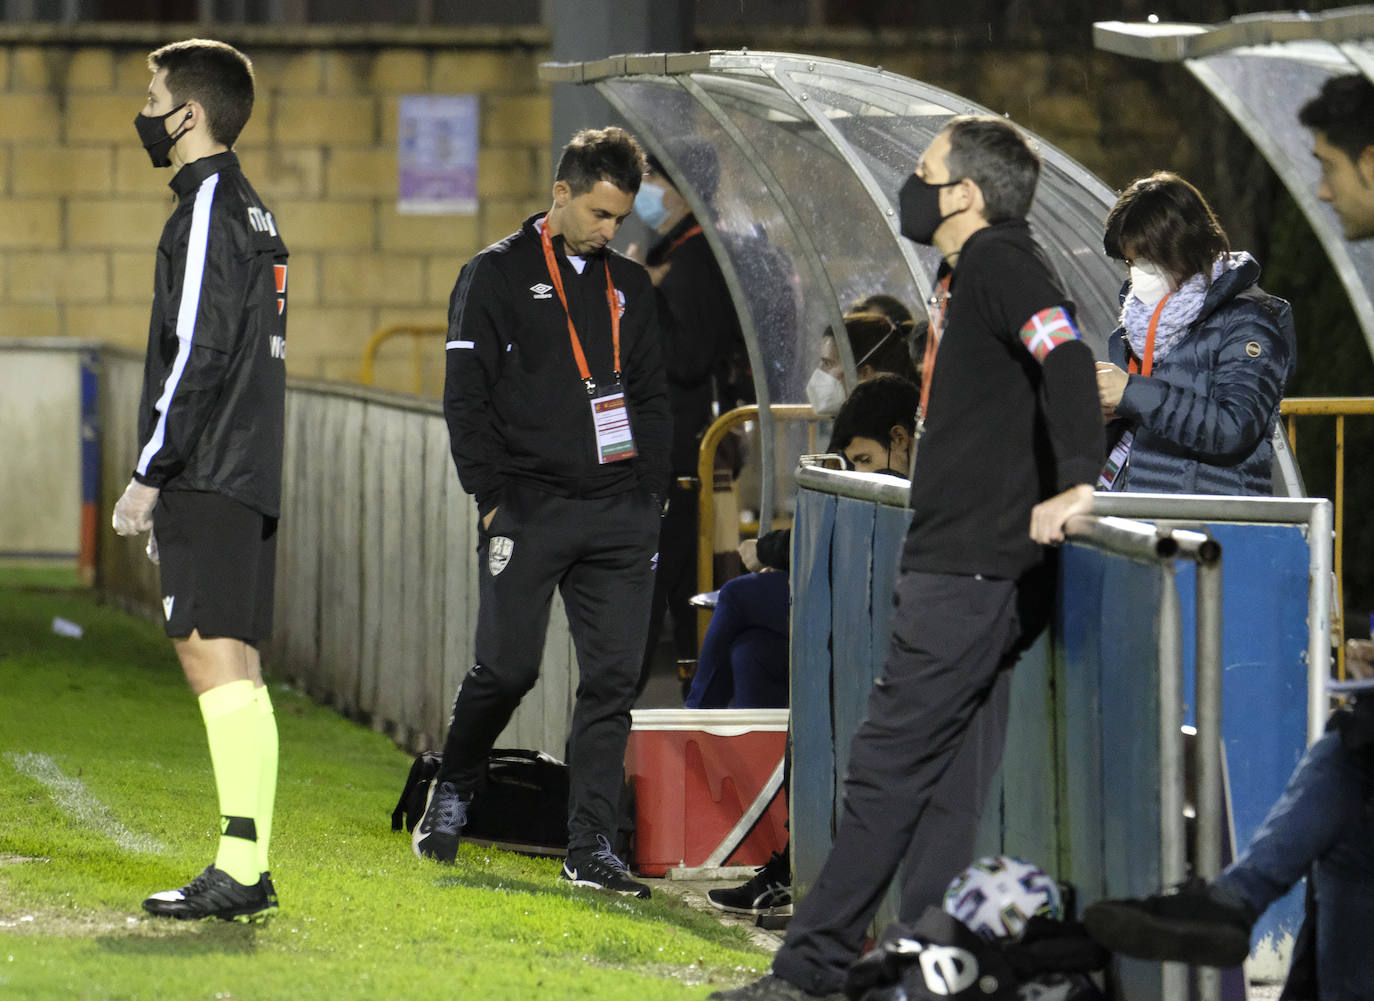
1200, 361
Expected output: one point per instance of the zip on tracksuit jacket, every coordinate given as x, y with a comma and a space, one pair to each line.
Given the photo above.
516, 406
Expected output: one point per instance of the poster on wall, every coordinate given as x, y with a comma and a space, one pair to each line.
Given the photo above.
437, 152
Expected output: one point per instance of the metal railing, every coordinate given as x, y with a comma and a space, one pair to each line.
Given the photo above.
1339, 407
418, 333
1150, 544
706, 465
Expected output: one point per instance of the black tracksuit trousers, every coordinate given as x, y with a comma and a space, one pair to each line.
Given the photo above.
599, 553
920, 767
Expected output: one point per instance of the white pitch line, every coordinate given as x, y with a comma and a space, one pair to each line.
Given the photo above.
72, 796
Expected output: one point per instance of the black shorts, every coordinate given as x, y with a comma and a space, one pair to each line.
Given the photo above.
219, 566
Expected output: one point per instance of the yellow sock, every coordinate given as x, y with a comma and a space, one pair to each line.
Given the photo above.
232, 726
267, 782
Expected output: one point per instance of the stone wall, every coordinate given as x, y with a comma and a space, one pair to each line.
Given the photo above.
82, 208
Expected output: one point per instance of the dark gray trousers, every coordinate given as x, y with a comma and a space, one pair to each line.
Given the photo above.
599, 554
920, 767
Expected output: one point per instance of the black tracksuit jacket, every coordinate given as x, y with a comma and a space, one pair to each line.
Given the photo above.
516, 405
214, 380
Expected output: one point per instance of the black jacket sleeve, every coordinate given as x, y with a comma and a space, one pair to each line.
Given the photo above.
1073, 414
473, 359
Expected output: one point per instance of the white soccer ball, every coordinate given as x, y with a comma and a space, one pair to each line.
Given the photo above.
996, 896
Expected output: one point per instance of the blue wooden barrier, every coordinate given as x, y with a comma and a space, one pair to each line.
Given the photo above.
1078, 789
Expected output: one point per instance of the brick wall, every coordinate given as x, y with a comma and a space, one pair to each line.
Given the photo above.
82, 208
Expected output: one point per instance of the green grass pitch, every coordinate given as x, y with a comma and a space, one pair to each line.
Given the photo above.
106, 795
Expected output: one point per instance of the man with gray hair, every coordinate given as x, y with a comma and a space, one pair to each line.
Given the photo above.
1008, 443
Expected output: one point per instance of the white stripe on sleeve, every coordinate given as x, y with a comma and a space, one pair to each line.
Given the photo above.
464, 345
186, 314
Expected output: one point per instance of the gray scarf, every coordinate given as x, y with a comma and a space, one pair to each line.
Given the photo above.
1178, 315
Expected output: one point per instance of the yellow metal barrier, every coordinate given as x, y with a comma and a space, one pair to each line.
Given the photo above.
418, 334
706, 465
1339, 407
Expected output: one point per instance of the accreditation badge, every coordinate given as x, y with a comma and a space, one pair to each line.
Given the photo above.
611, 420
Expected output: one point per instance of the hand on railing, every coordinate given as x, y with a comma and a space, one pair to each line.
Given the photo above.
1049, 517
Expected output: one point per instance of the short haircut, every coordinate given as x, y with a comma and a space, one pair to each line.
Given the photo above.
217, 76
877, 341
1164, 219
1343, 112
873, 409
880, 302
610, 154
994, 155
698, 161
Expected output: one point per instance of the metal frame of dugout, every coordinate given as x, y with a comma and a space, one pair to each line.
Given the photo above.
1145, 638
1262, 68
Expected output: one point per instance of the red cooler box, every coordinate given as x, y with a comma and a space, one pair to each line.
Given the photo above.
708, 787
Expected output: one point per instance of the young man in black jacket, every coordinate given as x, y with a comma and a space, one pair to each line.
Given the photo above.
208, 476
559, 423
1008, 441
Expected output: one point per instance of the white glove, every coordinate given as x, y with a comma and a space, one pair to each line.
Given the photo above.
134, 511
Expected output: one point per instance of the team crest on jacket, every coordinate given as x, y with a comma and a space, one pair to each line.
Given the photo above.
499, 549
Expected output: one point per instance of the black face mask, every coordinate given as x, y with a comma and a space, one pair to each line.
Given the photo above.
918, 209
153, 134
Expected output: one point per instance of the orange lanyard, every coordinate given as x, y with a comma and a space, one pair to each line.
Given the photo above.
1147, 364
611, 303
693, 231
937, 326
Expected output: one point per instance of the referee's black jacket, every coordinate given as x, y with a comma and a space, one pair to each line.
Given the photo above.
214, 381
516, 406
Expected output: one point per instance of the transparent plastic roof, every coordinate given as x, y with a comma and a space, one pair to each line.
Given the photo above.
1262, 69
798, 192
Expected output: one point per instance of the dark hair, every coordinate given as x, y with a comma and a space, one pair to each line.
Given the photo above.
217, 76
1343, 112
696, 158
872, 410
877, 341
994, 155
1164, 219
880, 302
610, 154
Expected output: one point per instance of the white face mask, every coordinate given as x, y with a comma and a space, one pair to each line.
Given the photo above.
825, 393
1149, 282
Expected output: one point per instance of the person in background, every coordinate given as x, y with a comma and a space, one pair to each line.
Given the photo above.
210, 428
559, 424
878, 344
1009, 440
700, 335
1322, 827
1202, 356
743, 661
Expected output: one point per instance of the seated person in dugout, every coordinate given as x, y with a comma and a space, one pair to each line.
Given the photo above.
743, 662
1198, 366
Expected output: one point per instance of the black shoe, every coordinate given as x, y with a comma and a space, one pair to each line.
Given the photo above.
1193, 923
436, 835
269, 891
601, 869
214, 894
771, 988
767, 892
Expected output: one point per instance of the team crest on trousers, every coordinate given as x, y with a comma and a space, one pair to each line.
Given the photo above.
498, 553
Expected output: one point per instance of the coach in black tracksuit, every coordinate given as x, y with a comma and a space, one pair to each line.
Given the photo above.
1009, 441
534, 350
